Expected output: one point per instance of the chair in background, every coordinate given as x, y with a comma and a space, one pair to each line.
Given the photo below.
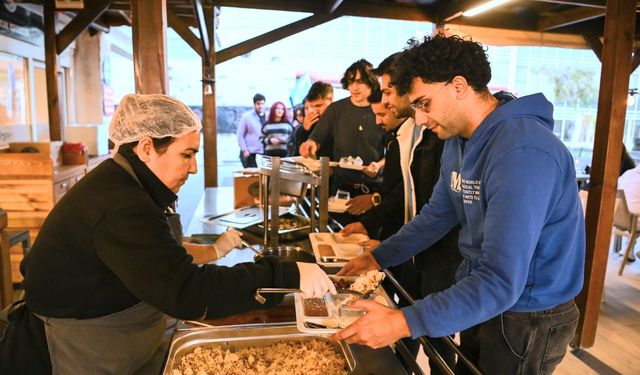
624, 224
8, 239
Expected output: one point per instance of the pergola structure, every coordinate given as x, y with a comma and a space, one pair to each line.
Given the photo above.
608, 28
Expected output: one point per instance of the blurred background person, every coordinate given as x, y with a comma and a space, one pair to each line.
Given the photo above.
277, 131
249, 132
318, 99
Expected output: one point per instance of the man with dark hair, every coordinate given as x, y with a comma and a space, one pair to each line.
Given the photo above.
522, 243
432, 270
383, 209
350, 125
318, 99
249, 132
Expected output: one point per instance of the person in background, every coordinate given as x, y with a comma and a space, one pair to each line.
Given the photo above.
522, 244
298, 115
318, 99
249, 132
383, 209
348, 126
298, 119
106, 266
276, 133
629, 182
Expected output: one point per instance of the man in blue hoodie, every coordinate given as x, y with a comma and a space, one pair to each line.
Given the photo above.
510, 183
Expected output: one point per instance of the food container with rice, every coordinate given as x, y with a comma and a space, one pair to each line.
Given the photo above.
242, 350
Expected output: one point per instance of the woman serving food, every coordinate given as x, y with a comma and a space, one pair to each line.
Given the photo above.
106, 266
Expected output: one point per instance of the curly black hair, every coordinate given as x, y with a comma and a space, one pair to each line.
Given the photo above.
375, 96
440, 58
387, 65
366, 74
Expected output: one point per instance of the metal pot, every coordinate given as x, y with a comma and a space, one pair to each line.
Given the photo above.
291, 253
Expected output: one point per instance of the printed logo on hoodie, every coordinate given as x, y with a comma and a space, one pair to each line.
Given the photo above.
456, 182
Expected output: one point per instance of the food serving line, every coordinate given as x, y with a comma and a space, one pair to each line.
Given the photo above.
266, 326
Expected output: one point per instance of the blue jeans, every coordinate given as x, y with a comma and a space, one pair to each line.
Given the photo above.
520, 343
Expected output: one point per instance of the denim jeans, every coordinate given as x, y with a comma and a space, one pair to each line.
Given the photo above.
520, 343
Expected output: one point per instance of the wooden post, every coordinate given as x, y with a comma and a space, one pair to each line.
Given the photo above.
51, 72
209, 102
149, 34
614, 83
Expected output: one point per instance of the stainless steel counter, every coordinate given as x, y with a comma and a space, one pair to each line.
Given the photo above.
220, 200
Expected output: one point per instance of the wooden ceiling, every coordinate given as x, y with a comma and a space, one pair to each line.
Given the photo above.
582, 17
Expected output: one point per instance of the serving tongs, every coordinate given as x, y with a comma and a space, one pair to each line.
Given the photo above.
356, 293
260, 298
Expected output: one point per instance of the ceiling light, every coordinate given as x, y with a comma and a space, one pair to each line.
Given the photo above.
483, 8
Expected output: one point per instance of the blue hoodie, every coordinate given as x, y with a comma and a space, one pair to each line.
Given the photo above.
512, 187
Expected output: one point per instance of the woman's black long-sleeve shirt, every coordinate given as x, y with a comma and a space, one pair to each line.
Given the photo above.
107, 246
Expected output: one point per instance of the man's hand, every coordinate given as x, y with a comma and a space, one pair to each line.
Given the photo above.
360, 204
308, 149
380, 327
246, 153
372, 169
369, 245
275, 141
359, 265
309, 120
356, 227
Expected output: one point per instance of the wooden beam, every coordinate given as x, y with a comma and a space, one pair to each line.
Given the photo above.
332, 5
595, 44
149, 34
125, 17
272, 36
394, 11
210, 131
184, 32
307, 6
614, 83
635, 61
202, 27
582, 3
51, 72
356, 8
80, 22
569, 17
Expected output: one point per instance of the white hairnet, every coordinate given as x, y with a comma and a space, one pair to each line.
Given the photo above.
155, 116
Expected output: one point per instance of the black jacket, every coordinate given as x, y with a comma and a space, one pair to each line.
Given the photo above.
385, 219
107, 246
425, 170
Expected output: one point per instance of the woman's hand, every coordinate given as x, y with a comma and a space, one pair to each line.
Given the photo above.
227, 242
314, 282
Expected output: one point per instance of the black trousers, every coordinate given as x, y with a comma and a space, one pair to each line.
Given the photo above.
249, 161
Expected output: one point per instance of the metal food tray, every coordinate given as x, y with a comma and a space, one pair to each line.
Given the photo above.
239, 337
285, 234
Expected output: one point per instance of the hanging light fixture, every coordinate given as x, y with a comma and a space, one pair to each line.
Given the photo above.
483, 8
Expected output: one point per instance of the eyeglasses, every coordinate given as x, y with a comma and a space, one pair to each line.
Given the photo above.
424, 104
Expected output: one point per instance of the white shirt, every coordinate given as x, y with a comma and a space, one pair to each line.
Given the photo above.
630, 183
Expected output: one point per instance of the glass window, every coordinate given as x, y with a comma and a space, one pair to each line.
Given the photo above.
13, 103
567, 133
